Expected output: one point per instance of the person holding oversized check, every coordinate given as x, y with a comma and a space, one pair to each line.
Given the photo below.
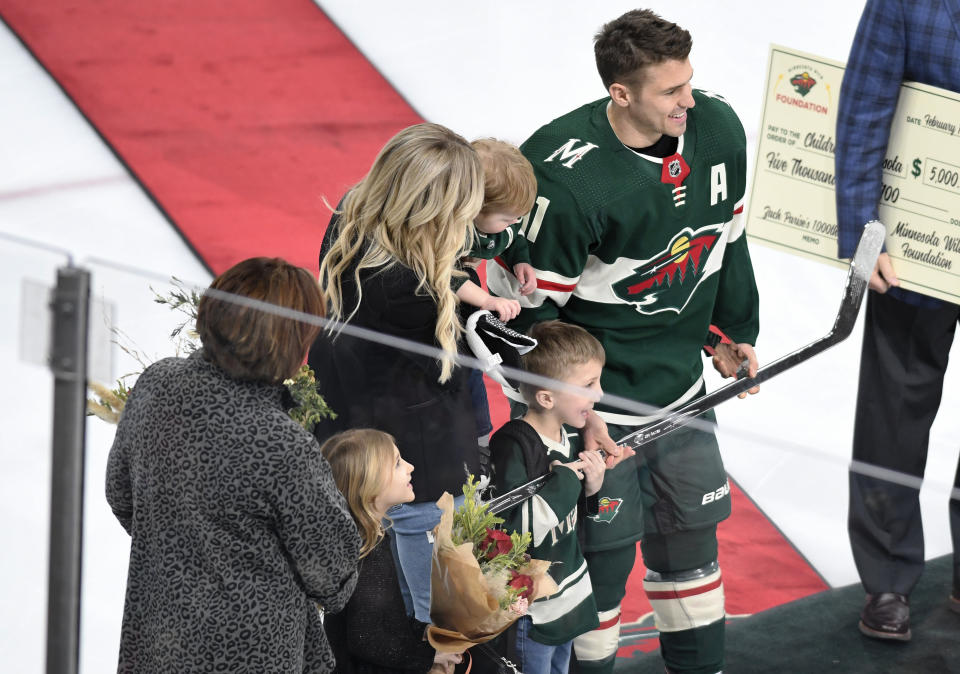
907, 336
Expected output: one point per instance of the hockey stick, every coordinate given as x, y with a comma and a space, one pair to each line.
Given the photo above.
858, 276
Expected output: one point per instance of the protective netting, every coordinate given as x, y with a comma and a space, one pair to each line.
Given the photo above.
787, 449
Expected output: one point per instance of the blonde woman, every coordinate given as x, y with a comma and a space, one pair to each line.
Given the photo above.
373, 634
388, 264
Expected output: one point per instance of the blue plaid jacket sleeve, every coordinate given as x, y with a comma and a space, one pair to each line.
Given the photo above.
868, 99
896, 41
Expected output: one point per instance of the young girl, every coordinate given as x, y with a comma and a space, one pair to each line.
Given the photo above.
387, 264
373, 634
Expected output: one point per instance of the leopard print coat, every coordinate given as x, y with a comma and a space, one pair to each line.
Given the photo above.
237, 528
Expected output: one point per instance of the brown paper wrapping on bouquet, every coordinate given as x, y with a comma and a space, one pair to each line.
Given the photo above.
463, 611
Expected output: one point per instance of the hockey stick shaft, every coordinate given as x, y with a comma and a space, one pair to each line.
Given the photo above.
858, 276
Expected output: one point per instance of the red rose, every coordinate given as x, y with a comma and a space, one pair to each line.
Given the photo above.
522, 582
496, 543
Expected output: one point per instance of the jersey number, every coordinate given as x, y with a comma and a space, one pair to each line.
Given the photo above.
534, 219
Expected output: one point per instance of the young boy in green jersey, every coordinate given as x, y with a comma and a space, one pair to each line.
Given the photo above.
533, 445
510, 189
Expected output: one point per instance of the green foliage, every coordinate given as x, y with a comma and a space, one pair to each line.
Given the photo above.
517, 556
472, 519
185, 301
108, 404
121, 391
470, 523
311, 407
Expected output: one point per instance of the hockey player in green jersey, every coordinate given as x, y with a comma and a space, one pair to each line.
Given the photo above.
638, 236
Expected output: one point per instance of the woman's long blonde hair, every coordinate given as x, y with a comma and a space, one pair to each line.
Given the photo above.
415, 207
361, 459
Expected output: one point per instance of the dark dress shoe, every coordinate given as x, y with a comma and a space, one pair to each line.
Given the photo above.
886, 616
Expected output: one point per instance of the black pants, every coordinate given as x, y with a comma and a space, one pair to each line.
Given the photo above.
905, 350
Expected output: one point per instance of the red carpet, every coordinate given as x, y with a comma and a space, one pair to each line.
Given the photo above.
238, 118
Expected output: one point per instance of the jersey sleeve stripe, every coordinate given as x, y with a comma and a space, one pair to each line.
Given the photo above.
550, 285
739, 223
547, 280
575, 588
543, 519
557, 287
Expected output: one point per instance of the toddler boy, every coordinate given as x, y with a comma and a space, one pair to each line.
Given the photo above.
510, 189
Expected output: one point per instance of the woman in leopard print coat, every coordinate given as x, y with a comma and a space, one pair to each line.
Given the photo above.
237, 529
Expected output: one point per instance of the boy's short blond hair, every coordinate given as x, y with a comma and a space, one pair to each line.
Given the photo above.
509, 183
560, 347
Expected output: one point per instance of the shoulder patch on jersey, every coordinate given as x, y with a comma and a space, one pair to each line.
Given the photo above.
571, 152
667, 280
609, 507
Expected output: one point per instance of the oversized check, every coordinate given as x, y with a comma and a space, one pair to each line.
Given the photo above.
792, 202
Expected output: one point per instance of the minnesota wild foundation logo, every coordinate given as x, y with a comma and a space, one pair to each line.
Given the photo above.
802, 83
609, 507
668, 279
803, 79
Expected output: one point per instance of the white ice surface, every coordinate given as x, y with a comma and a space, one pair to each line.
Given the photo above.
495, 68
60, 186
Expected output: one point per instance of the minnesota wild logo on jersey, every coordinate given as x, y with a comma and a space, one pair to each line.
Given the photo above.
609, 507
668, 279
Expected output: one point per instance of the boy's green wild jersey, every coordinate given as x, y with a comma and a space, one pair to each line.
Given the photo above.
644, 252
508, 243
551, 518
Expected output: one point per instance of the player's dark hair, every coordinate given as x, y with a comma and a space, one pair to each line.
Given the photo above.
638, 39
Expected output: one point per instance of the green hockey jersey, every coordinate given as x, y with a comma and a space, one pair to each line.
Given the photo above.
643, 252
551, 518
508, 244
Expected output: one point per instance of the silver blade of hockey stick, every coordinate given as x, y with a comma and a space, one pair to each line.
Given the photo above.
858, 276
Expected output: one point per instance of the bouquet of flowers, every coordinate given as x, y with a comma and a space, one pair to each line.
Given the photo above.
482, 579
